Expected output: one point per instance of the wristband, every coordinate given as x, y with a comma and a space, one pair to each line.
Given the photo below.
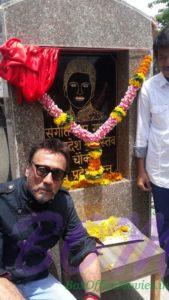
6, 275
93, 296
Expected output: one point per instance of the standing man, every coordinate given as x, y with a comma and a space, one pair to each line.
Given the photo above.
35, 213
152, 140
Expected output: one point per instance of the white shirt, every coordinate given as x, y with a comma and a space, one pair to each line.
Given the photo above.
153, 129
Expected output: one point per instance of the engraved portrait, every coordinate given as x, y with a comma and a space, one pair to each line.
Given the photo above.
85, 87
79, 85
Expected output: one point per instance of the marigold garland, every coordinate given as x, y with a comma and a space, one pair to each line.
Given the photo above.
94, 174
64, 120
116, 115
106, 179
95, 169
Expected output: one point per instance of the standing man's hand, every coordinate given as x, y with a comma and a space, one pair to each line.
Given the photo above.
143, 180
8, 291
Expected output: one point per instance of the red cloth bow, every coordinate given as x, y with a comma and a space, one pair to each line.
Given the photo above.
30, 68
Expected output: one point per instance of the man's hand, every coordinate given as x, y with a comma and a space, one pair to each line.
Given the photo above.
90, 272
143, 182
8, 291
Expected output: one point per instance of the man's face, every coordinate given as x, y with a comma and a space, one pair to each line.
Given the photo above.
79, 89
40, 181
163, 61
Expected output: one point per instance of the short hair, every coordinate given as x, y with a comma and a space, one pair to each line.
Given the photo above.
55, 146
162, 40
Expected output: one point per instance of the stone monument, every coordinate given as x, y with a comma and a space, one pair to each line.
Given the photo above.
82, 29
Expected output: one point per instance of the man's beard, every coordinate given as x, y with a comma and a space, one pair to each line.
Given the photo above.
41, 198
41, 195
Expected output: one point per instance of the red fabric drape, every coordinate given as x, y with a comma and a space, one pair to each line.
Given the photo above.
31, 69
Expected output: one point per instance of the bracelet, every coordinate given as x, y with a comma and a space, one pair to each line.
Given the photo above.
6, 275
93, 296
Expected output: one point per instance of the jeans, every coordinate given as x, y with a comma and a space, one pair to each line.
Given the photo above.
161, 203
48, 288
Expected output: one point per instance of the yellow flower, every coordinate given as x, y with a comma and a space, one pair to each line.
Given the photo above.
141, 75
115, 116
81, 177
124, 228
92, 145
95, 154
113, 220
121, 110
105, 181
96, 172
136, 83
57, 121
61, 119
107, 228
67, 184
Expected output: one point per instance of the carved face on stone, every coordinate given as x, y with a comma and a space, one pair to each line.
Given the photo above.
79, 82
79, 89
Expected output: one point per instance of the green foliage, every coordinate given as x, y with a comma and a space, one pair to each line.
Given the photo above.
163, 13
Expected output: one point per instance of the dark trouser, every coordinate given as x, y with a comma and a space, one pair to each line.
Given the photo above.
161, 203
